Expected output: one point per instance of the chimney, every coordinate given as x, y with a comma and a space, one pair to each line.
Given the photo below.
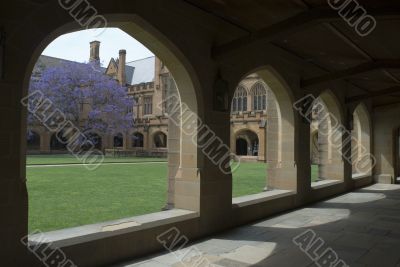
95, 52
121, 67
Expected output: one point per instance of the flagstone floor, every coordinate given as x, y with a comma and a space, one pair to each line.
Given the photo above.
361, 227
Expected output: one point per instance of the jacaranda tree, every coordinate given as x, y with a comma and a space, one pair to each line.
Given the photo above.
91, 100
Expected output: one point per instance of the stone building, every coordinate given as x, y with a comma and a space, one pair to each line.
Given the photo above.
149, 82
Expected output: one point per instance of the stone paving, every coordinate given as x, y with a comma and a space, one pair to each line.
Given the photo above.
362, 227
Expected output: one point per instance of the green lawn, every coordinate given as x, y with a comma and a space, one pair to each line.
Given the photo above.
68, 196
250, 178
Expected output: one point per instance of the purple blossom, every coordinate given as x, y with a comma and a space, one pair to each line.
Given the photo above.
89, 98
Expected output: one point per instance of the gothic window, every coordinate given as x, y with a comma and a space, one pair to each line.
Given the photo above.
239, 102
147, 105
130, 109
259, 96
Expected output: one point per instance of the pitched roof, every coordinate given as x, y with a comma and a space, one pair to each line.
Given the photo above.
47, 61
140, 71
137, 72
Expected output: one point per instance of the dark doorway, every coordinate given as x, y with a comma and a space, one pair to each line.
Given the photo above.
58, 142
241, 147
119, 140
95, 140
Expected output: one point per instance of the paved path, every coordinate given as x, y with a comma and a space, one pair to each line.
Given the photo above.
82, 164
362, 227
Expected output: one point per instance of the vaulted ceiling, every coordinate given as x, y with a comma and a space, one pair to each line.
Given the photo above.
314, 32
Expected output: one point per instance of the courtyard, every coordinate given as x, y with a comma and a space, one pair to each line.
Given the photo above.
64, 194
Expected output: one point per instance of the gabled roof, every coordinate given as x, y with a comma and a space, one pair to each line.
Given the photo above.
112, 63
47, 61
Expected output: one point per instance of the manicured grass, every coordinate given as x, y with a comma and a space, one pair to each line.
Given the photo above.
251, 178
68, 196
61, 197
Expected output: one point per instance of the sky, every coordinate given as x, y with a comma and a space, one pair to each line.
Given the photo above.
75, 46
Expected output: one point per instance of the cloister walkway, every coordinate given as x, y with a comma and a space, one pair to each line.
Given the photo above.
362, 227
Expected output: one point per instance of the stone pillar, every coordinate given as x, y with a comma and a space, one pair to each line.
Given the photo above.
174, 148
128, 142
355, 143
262, 143
330, 157
146, 141
13, 190
45, 142
281, 167
216, 183
232, 138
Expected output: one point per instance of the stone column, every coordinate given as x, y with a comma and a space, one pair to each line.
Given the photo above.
45, 142
13, 190
262, 143
174, 147
232, 139
330, 156
128, 143
281, 167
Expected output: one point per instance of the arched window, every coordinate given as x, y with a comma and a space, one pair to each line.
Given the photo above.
119, 140
95, 140
239, 102
259, 97
137, 140
160, 140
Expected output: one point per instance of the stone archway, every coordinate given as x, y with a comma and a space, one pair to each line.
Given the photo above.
330, 137
185, 80
159, 140
247, 143
277, 136
361, 157
137, 140
183, 161
280, 132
